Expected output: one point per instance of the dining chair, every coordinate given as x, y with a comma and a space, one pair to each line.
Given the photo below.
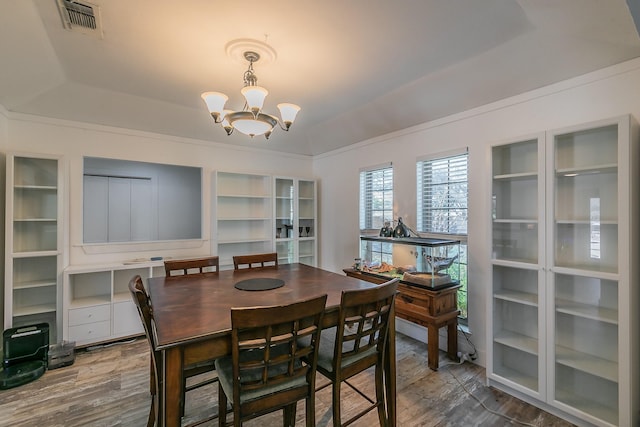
358, 342
255, 260
265, 372
187, 266
143, 304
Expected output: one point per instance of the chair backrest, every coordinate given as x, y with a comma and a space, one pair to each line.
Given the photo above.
255, 260
268, 344
364, 322
145, 311
187, 266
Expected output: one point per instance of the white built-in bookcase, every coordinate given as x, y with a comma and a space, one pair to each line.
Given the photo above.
295, 220
563, 309
262, 213
33, 241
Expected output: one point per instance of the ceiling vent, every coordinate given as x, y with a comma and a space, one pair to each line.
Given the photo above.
81, 17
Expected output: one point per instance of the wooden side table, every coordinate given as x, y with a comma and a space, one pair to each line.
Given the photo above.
433, 309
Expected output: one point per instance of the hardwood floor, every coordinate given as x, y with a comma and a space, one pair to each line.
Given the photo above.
109, 386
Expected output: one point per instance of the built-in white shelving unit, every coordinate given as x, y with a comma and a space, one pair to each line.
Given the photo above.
264, 213
243, 215
564, 254
97, 303
33, 241
295, 220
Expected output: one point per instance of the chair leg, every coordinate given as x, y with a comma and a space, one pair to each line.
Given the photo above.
152, 412
237, 420
222, 407
153, 390
310, 407
182, 396
289, 415
382, 413
336, 403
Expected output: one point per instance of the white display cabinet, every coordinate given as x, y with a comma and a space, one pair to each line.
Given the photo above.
516, 342
97, 303
243, 215
295, 220
593, 343
564, 297
33, 238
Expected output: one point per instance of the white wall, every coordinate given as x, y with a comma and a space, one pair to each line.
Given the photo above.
73, 141
605, 93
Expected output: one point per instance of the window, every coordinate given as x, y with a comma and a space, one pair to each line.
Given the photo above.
442, 206
376, 207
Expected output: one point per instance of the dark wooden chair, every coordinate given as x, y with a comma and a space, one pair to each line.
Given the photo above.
142, 302
265, 371
255, 260
194, 266
357, 343
188, 266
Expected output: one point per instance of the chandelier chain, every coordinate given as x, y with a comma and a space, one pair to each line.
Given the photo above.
250, 79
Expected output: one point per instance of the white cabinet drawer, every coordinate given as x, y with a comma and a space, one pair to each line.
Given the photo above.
97, 313
126, 319
90, 332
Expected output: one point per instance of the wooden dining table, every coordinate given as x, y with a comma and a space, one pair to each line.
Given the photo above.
193, 321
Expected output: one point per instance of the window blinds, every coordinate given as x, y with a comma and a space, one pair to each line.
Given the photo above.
442, 194
376, 197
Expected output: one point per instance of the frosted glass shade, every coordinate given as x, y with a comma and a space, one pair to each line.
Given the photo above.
288, 113
245, 122
251, 127
215, 102
255, 96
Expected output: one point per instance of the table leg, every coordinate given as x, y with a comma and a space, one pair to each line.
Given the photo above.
171, 388
432, 346
452, 339
390, 370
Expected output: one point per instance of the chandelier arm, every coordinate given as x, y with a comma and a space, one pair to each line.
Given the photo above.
279, 122
284, 128
246, 108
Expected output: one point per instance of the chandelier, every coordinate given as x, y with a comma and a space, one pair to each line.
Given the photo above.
251, 120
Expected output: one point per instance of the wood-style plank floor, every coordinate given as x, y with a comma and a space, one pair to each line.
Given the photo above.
109, 386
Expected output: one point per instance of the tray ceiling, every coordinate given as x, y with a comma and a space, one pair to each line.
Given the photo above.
358, 69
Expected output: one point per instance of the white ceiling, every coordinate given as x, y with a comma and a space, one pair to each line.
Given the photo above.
358, 68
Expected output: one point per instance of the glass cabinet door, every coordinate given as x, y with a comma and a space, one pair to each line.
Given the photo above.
307, 222
517, 297
584, 269
515, 202
285, 231
295, 214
